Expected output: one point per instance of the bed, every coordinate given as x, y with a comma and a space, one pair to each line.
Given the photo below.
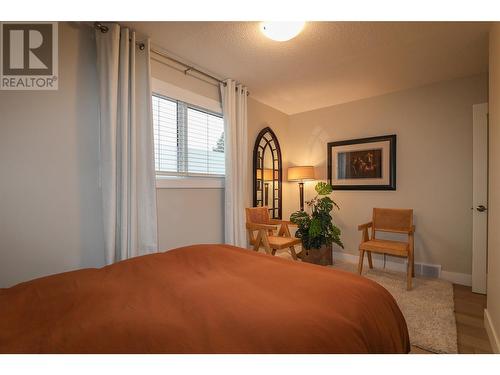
202, 299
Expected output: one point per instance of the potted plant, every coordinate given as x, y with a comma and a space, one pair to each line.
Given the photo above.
316, 229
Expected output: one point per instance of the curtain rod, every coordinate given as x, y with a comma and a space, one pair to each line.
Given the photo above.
188, 68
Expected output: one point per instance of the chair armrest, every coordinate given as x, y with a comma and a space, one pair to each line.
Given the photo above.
365, 226
256, 226
276, 221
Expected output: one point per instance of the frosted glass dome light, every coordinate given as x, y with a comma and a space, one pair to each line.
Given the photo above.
281, 31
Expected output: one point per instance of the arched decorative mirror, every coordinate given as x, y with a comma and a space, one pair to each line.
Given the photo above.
267, 173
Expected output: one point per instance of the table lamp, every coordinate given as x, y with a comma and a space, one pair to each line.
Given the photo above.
301, 174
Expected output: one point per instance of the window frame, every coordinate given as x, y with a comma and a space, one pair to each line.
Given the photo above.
188, 100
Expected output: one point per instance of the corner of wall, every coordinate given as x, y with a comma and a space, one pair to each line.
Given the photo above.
492, 334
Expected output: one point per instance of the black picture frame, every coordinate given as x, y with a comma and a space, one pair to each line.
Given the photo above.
392, 162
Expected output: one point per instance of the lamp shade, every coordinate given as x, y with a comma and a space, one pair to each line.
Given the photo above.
267, 175
305, 173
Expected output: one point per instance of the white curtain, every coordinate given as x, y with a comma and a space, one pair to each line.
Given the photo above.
126, 145
234, 107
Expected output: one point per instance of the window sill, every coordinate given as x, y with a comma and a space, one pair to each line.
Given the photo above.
175, 182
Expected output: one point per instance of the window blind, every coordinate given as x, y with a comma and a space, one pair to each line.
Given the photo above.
189, 141
165, 135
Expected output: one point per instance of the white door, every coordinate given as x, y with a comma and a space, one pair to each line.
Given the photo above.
480, 197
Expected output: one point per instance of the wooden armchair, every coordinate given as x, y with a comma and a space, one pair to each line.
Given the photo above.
268, 235
389, 220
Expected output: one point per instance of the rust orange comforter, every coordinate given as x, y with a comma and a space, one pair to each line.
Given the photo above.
202, 299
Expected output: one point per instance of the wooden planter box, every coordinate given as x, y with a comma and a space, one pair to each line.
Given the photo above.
322, 256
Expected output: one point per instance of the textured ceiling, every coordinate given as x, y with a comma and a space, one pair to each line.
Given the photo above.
329, 62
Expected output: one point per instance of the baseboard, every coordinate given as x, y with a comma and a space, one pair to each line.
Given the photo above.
492, 335
457, 278
454, 277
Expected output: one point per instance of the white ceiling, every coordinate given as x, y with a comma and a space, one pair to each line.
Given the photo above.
329, 62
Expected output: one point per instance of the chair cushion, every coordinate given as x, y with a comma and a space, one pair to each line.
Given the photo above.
385, 246
278, 243
282, 242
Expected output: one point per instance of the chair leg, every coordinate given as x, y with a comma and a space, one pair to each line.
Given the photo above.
370, 263
408, 275
412, 264
360, 264
294, 254
258, 241
265, 242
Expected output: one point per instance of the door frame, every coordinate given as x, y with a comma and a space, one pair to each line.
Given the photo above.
479, 197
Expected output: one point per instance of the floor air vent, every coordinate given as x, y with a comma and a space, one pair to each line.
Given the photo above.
427, 270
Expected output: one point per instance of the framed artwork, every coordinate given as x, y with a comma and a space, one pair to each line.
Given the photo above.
363, 164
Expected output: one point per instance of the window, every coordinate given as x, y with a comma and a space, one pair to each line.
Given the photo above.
188, 141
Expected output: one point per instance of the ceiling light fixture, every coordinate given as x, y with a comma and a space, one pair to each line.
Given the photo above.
281, 31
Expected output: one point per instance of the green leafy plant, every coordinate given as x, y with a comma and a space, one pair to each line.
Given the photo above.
316, 229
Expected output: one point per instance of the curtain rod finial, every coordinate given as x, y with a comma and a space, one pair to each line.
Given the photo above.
103, 28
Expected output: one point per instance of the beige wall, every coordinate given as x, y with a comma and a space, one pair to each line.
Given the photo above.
50, 212
434, 163
493, 305
190, 216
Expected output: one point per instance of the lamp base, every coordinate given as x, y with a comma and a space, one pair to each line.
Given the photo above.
301, 193
266, 194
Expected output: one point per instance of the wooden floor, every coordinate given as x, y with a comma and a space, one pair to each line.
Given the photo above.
469, 314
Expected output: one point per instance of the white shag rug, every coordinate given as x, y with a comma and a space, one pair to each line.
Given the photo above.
428, 308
